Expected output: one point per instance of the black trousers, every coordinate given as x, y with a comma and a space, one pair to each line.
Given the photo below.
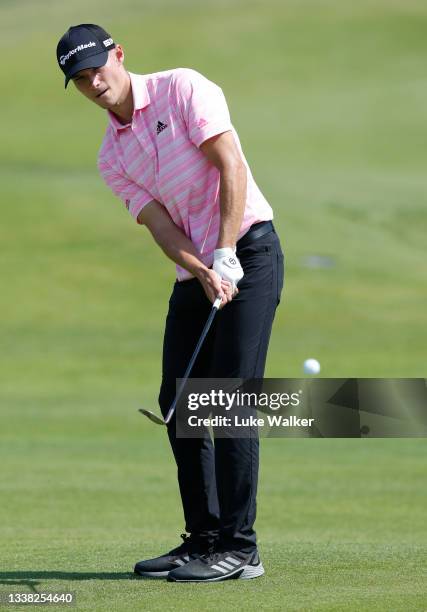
218, 481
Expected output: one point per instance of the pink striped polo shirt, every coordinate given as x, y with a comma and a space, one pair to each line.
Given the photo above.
157, 156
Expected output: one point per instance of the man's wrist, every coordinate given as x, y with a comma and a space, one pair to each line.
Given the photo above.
201, 272
225, 244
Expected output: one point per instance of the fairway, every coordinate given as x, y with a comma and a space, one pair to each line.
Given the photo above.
341, 523
328, 99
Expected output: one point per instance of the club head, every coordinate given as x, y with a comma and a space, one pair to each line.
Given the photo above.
153, 417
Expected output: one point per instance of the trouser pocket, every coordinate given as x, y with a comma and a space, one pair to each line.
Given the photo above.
280, 274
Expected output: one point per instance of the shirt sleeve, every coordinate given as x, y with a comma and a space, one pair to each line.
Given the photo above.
134, 196
202, 106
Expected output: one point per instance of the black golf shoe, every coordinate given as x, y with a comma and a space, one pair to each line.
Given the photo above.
217, 566
159, 567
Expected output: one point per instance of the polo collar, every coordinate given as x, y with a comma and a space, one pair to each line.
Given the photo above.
141, 99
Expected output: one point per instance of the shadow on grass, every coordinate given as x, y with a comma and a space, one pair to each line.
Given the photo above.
35, 579
30, 578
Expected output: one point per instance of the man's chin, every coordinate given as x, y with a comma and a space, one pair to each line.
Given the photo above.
105, 103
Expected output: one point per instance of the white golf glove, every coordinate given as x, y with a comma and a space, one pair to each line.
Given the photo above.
227, 266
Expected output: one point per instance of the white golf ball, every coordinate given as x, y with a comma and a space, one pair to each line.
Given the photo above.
311, 366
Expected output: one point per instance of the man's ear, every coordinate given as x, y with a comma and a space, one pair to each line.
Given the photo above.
119, 54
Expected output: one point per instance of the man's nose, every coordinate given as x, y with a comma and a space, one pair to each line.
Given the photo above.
95, 79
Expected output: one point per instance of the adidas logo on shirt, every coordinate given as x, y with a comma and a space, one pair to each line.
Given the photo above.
161, 126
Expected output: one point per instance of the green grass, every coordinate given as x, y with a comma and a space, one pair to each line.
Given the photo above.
328, 98
89, 490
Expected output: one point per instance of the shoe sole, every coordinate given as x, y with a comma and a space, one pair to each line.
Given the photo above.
245, 573
151, 574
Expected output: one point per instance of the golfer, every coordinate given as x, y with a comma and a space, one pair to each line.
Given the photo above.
172, 155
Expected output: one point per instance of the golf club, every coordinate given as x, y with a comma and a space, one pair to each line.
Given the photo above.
154, 417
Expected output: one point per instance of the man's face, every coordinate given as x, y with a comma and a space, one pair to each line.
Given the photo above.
107, 85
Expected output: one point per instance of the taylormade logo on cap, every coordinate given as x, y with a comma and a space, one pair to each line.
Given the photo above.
65, 58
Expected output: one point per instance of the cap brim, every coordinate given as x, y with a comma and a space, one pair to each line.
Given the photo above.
94, 61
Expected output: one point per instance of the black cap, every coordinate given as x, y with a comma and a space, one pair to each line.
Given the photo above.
83, 46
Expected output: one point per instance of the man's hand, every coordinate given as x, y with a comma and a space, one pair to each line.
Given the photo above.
214, 286
228, 267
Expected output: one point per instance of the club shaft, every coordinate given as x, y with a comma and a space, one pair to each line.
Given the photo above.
187, 373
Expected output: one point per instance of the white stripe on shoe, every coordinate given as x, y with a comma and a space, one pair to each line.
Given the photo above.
219, 569
183, 560
226, 565
232, 560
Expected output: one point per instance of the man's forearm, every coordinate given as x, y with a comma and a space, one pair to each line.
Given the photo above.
221, 150
232, 203
175, 244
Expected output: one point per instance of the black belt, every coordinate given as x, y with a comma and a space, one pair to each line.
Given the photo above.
254, 232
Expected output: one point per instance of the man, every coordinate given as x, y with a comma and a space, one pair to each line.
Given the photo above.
172, 155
